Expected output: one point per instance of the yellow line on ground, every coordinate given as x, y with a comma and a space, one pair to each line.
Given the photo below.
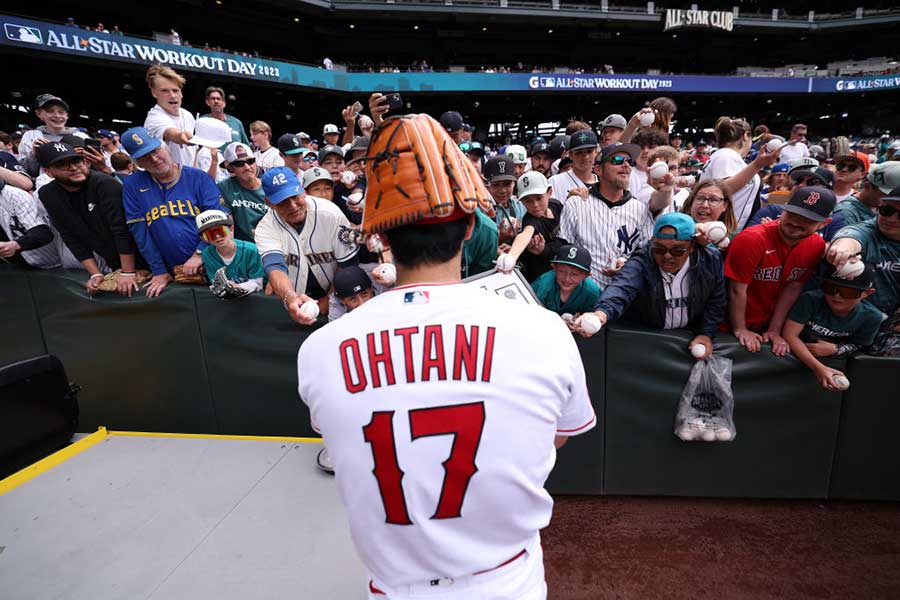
211, 436
45, 464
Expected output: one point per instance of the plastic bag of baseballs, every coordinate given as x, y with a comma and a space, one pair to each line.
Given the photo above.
706, 409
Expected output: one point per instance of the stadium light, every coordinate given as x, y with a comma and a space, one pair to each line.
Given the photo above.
416, 27
484, 28
296, 19
352, 26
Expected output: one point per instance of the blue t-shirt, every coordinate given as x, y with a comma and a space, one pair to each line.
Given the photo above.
582, 299
819, 323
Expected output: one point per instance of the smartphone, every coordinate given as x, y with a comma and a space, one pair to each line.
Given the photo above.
394, 101
92, 143
357, 107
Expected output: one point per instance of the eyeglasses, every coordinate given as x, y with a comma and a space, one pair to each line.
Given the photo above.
241, 163
887, 211
831, 289
676, 252
214, 233
310, 158
619, 160
70, 164
849, 167
711, 200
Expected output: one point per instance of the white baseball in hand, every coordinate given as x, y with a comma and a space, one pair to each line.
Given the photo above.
506, 263
698, 350
646, 119
310, 309
387, 272
348, 178
589, 323
851, 269
658, 170
774, 145
840, 382
374, 244
715, 231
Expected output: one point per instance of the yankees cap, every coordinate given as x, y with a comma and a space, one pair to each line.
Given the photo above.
530, 184
280, 183
499, 168
349, 281
53, 152
290, 144
575, 256
862, 281
815, 203
582, 139
212, 218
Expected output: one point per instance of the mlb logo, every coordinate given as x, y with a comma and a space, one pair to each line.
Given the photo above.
417, 297
548, 82
22, 33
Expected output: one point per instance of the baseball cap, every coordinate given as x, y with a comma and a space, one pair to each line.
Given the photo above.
290, 144
211, 133
817, 151
452, 121
104, 133
280, 183
806, 163
76, 141
823, 175
531, 183
138, 142
893, 195
472, 148
236, 151
885, 176
559, 144
53, 152
815, 203
45, 99
314, 174
683, 224
633, 150
349, 281
499, 168
575, 256
674, 135
781, 168
539, 147
330, 149
613, 120
701, 142
582, 139
303, 135
517, 154
863, 281
212, 218
330, 128
360, 144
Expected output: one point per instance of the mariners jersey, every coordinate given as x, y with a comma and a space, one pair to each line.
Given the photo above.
317, 247
883, 254
162, 217
441, 424
607, 231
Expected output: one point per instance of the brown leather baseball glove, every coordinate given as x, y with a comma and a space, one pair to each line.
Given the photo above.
109, 280
415, 171
198, 279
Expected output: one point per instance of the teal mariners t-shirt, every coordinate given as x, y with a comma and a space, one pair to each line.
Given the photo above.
480, 250
245, 265
582, 299
247, 207
883, 254
819, 323
854, 211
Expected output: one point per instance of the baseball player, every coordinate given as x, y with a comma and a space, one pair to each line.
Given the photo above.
420, 395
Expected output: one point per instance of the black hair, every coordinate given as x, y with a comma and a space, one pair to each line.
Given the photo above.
648, 136
416, 245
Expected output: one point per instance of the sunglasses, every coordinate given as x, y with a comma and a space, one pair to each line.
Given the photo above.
887, 211
849, 167
241, 163
619, 160
310, 158
809, 181
831, 289
662, 251
214, 233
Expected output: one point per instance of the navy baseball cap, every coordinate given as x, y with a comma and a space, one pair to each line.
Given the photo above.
452, 121
863, 281
290, 144
821, 174
575, 256
350, 281
53, 152
559, 144
539, 147
814, 203
138, 142
280, 183
582, 139
683, 224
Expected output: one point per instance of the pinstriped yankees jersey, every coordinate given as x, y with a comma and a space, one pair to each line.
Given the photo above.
607, 231
19, 212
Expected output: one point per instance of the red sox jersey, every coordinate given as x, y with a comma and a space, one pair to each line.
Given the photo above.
439, 405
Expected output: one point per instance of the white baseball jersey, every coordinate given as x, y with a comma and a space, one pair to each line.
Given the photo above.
269, 159
439, 410
158, 120
317, 248
607, 231
563, 182
19, 212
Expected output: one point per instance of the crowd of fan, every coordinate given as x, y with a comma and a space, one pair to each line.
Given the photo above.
772, 239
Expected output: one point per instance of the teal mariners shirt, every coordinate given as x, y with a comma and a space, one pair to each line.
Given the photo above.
854, 211
883, 254
246, 263
582, 299
819, 323
247, 207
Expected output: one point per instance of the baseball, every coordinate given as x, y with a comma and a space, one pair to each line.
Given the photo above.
850, 269
840, 382
708, 435
590, 323
620, 262
506, 263
685, 433
310, 309
388, 273
715, 231
658, 170
647, 119
723, 434
348, 178
698, 350
774, 145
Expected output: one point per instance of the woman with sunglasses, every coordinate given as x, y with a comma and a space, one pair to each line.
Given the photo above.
710, 201
671, 283
242, 192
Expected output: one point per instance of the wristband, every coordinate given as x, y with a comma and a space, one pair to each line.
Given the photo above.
100, 275
287, 296
128, 273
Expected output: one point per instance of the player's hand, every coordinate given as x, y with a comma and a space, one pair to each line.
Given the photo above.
157, 284
537, 244
349, 116
126, 284
779, 345
750, 340
292, 302
707, 343
378, 107
9, 249
577, 323
93, 283
192, 265
581, 192
821, 349
826, 376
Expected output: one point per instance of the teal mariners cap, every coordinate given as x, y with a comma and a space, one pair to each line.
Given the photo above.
683, 224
